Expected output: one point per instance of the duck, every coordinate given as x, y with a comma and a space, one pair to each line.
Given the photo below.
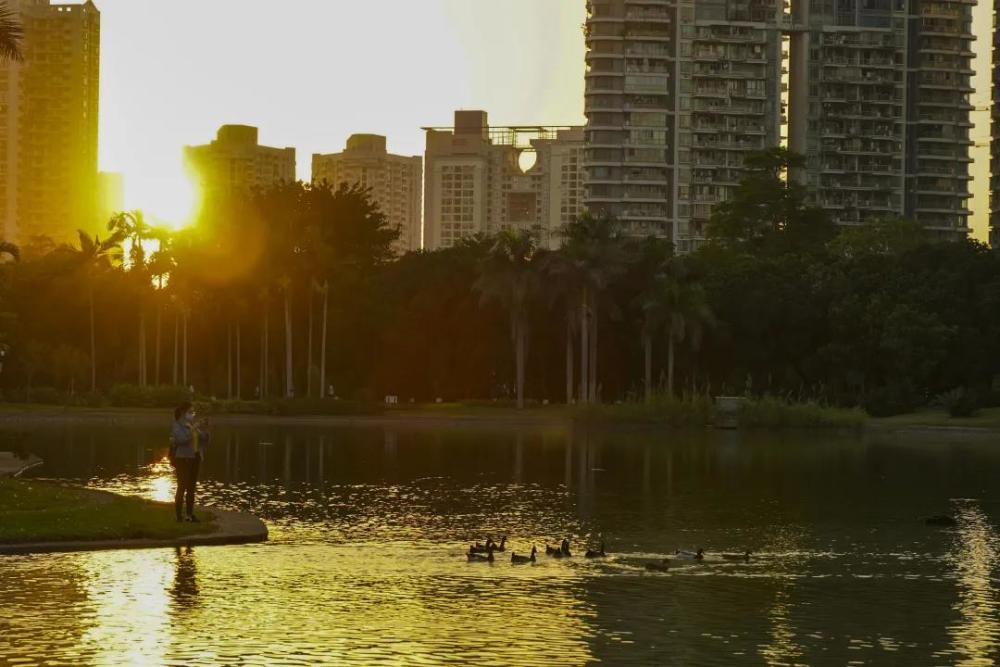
596, 554
480, 558
478, 548
661, 566
745, 557
523, 560
502, 546
688, 555
561, 552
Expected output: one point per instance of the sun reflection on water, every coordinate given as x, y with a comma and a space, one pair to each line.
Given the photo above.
975, 555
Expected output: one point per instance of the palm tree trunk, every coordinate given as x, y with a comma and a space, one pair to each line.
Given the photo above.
159, 322
264, 351
142, 349
289, 380
184, 365
647, 345
584, 348
322, 340
309, 343
177, 332
593, 354
229, 361
239, 374
519, 356
93, 342
670, 366
569, 356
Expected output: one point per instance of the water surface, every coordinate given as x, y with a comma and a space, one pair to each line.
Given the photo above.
369, 525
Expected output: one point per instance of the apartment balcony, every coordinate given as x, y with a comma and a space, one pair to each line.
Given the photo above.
648, 15
647, 33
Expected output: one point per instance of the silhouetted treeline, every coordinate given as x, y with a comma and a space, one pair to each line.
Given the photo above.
290, 290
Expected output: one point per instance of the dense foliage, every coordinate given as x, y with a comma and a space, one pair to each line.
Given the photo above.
295, 289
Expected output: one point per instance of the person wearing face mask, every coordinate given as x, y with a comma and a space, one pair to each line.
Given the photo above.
188, 440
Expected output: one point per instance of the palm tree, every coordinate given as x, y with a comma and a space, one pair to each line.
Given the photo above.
509, 278
679, 304
594, 256
161, 265
132, 227
92, 257
555, 268
11, 35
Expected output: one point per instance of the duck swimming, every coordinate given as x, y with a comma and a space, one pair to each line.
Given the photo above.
523, 560
561, 552
480, 558
688, 555
502, 546
745, 557
596, 554
478, 548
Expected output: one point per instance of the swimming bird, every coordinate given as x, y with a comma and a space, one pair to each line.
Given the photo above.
561, 552
480, 558
662, 566
502, 546
596, 554
688, 555
523, 560
745, 556
478, 548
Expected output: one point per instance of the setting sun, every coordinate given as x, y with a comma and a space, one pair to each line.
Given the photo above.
168, 200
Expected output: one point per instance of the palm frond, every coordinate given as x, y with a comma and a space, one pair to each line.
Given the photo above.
11, 35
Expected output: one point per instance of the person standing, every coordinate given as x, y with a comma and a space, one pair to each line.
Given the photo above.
188, 440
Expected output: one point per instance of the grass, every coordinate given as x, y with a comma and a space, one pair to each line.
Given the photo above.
34, 511
984, 418
775, 413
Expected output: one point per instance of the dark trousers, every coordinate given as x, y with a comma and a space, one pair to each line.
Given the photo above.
187, 480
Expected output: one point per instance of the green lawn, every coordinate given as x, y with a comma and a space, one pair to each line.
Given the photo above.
33, 511
985, 418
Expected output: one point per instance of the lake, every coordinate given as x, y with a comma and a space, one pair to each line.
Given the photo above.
369, 526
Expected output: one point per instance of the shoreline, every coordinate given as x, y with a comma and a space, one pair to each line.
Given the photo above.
233, 528
503, 418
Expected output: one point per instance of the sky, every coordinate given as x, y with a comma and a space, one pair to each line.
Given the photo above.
309, 73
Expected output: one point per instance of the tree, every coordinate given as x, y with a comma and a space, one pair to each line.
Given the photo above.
593, 257
91, 258
509, 278
678, 304
767, 211
11, 35
131, 227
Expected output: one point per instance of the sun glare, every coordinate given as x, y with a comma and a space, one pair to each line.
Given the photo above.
167, 201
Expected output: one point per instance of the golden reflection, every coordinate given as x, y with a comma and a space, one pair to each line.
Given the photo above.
160, 484
975, 554
185, 589
130, 620
783, 648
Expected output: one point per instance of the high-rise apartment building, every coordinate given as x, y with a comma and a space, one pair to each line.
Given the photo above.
48, 122
888, 109
678, 92
235, 161
396, 182
995, 135
477, 180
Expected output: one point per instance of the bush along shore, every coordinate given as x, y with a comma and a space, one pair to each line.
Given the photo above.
700, 411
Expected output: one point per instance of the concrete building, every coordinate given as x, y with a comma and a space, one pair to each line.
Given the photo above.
48, 123
678, 92
235, 161
887, 101
995, 135
480, 179
110, 194
396, 182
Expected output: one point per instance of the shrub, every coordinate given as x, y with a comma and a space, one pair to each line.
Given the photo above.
323, 407
772, 412
133, 396
959, 402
